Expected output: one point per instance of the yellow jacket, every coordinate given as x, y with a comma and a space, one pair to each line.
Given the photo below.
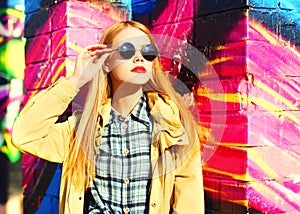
175, 188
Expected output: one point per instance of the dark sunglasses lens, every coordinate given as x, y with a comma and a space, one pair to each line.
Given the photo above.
126, 50
149, 52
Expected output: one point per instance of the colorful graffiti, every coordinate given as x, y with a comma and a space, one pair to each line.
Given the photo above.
258, 151
11, 92
256, 165
11, 74
253, 165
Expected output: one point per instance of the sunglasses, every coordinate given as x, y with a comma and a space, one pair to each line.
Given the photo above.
127, 51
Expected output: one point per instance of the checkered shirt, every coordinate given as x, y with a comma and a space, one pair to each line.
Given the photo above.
123, 168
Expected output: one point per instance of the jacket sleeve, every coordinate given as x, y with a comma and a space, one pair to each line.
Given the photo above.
36, 132
188, 188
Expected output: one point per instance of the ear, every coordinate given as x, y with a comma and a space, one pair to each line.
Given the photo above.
105, 68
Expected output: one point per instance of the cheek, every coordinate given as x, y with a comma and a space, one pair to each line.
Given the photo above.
120, 70
149, 66
113, 63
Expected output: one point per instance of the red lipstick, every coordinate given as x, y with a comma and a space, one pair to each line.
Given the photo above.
138, 69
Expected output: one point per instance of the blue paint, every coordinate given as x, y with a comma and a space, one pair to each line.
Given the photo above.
293, 5
11, 3
143, 6
32, 5
271, 4
35, 5
284, 19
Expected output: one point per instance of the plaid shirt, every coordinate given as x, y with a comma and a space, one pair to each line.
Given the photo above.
123, 168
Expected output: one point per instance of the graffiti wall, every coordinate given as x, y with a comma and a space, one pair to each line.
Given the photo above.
253, 48
240, 61
11, 73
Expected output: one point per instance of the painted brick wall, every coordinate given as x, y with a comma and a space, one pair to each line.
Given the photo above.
253, 47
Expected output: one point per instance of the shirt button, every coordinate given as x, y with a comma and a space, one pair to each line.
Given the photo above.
121, 118
98, 141
126, 151
126, 181
124, 126
126, 210
153, 204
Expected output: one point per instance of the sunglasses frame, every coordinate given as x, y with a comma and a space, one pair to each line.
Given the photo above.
123, 51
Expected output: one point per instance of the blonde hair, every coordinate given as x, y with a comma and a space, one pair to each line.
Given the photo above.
80, 159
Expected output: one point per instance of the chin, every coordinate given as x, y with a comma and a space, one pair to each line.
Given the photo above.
139, 79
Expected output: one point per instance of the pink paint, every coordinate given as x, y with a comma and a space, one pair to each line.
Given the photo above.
174, 12
31, 169
290, 133
63, 66
66, 40
175, 21
258, 156
84, 15
233, 196
65, 21
38, 49
37, 75
274, 196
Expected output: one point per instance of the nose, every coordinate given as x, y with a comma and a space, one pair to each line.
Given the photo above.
138, 58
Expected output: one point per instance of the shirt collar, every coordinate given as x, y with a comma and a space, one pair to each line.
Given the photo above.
140, 112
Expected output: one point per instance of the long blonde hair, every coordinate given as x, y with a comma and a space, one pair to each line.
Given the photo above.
80, 159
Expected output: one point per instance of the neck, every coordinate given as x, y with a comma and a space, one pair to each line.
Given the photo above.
126, 97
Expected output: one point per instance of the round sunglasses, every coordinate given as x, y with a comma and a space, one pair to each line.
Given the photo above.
127, 51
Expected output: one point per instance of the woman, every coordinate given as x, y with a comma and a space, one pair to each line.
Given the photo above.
132, 148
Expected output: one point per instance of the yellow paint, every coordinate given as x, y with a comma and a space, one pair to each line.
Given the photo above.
270, 37
275, 94
241, 177
222, 59
75, 47
10, 11
262, 164
58, 71
211, 190
59, 44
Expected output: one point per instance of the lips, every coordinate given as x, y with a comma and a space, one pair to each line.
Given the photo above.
138, 69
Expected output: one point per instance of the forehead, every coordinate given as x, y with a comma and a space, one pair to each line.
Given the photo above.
133, 35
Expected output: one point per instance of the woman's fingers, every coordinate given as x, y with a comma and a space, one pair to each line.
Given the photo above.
89, 61
101, 54
96, 51
91, 51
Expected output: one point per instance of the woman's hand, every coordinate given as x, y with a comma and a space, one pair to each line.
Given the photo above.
88, 62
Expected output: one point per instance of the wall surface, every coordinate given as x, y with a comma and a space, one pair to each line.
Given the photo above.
253, 47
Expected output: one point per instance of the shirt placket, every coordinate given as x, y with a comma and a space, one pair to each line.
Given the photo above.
125, 164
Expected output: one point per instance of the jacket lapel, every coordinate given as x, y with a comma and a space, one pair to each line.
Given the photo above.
167, 127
